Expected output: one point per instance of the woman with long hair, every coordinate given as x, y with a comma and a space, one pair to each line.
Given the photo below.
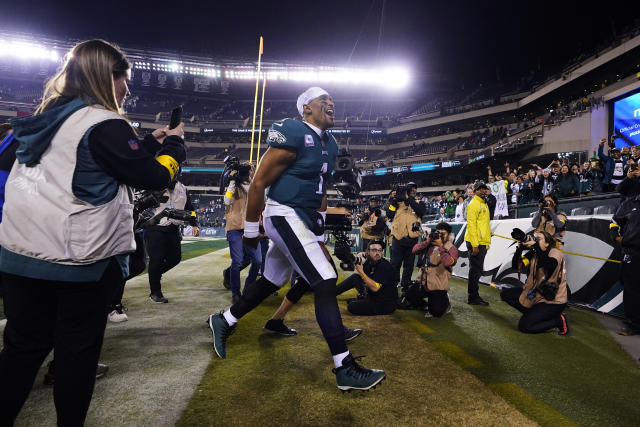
67, 225
543, 297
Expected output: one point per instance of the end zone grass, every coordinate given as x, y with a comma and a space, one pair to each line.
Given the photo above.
271, 380
471, 367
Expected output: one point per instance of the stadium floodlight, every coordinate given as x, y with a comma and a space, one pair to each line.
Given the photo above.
27, 51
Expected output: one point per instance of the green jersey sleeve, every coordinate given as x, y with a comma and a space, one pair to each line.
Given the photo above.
287, 133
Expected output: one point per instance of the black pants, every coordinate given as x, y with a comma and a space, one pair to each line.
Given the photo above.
69, 317
539, 318
437, 302
164, 254
117, 290
631, 293
364, 307
401, 256
476, 265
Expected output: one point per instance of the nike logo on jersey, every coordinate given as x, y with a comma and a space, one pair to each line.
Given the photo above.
279, 124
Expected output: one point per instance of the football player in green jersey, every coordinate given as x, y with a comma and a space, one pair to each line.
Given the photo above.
295, 169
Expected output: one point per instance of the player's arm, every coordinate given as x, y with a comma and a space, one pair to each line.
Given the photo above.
272, 164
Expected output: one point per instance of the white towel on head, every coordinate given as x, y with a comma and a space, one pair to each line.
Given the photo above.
309, 95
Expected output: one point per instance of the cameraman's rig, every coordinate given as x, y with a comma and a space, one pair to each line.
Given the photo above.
146, 202
348, 182
232, 163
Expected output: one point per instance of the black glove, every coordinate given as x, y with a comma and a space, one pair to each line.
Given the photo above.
173, 146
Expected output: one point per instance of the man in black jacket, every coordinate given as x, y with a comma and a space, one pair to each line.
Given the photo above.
630, 186
625, 230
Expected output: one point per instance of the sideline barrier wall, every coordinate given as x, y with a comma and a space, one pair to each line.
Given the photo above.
593, 283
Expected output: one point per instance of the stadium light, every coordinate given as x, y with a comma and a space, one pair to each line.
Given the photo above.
24, 50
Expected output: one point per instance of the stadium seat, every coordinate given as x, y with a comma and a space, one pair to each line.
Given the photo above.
580, 211
603, 210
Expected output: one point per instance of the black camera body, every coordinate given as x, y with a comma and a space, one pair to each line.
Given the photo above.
338, 226
436, 235
147, 201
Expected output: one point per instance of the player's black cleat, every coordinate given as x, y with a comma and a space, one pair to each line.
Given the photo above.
277, 326
220, 331
351, 376
351, 334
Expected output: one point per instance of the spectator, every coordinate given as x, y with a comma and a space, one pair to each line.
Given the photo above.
585, 178
613, 166
630, 186
568, 184
545, 185
460, 208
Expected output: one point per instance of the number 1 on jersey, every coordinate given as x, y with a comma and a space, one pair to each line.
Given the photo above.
322, 172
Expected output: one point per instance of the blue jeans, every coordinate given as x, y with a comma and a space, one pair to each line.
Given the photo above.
239, 252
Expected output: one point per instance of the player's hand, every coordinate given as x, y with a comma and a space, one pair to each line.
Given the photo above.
250, 242
262, 236
475, 251
619, 239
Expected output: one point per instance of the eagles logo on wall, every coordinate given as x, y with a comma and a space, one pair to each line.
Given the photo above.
275, 136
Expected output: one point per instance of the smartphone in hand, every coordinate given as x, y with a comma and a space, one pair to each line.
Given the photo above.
176, 117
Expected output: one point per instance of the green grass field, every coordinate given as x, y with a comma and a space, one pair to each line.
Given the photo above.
459, 369
470, 367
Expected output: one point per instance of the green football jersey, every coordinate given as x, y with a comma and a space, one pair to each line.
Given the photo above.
302, 184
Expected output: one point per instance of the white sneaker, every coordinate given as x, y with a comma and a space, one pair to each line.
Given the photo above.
116, 317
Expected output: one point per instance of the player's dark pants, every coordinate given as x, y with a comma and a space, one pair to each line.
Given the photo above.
631, 293
364, 307
401, 255
476, 265
539, 318
42, 315
164, 252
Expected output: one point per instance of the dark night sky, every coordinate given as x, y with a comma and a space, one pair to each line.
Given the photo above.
467, 40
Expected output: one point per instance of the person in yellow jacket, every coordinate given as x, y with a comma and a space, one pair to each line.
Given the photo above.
478, 239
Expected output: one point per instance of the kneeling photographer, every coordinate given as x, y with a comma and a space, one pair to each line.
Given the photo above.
543, 297
439, 255
162, 241
549, 219
406, 216
375, 280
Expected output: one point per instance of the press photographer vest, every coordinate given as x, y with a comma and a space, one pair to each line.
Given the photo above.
60, 228
549, 227
235, 212
536, 277
371, 222
403, 222
177, 200
435, 276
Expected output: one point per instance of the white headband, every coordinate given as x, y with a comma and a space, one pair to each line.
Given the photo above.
309, 95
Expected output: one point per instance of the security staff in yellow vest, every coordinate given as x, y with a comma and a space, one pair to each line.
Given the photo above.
405, 214
372, 223
478, 238
543, 297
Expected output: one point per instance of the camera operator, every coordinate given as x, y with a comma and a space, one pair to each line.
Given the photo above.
67, 224
163, 240
614, 164
372, 223
235, 201
625, 230
405, 214
376, 279
549, 219
440, 257
543, 297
